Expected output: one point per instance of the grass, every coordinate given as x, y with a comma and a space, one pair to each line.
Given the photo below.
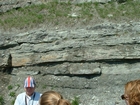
59, 13
86, 10
130, 9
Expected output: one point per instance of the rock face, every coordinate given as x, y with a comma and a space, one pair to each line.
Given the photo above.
92, 63
6, 5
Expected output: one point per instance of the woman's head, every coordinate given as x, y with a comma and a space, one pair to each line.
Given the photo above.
132, 93
53, 98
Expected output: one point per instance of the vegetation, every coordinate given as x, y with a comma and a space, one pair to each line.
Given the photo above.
12, 94
13, 101
10, 87
44, 86
18, 85
128, 9
1, 100
61, 13
75, 101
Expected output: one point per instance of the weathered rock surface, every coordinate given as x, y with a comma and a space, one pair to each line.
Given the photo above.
92, 63
6, 5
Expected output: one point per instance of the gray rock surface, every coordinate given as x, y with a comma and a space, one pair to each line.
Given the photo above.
92, 63
6, 5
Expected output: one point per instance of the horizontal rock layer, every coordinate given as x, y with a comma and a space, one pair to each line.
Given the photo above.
92, 63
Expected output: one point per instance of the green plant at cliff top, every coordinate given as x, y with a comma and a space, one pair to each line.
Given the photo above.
129, 9
35, 14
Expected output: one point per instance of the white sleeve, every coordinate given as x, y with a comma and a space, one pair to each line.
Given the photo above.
17, 101
20, 99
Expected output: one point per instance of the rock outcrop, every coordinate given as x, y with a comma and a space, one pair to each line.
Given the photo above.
92, 63
6, 5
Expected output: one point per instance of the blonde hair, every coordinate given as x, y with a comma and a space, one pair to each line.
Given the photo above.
132, 91
53, 98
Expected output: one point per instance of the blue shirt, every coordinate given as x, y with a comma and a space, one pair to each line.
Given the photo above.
22, 99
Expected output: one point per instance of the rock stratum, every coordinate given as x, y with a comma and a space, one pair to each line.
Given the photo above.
92, 63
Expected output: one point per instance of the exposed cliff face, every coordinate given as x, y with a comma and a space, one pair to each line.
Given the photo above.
93, 63
6, 5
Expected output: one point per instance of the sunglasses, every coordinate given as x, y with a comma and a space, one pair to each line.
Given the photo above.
124, 97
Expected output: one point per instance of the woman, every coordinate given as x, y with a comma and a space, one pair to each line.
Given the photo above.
132, 93
53, 98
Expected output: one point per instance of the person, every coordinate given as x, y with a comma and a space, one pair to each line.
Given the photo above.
132, 93
53, 98
29, 97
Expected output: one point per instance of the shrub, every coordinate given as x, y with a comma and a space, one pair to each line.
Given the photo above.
1, 100
10, 87
75, 101
12, 94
